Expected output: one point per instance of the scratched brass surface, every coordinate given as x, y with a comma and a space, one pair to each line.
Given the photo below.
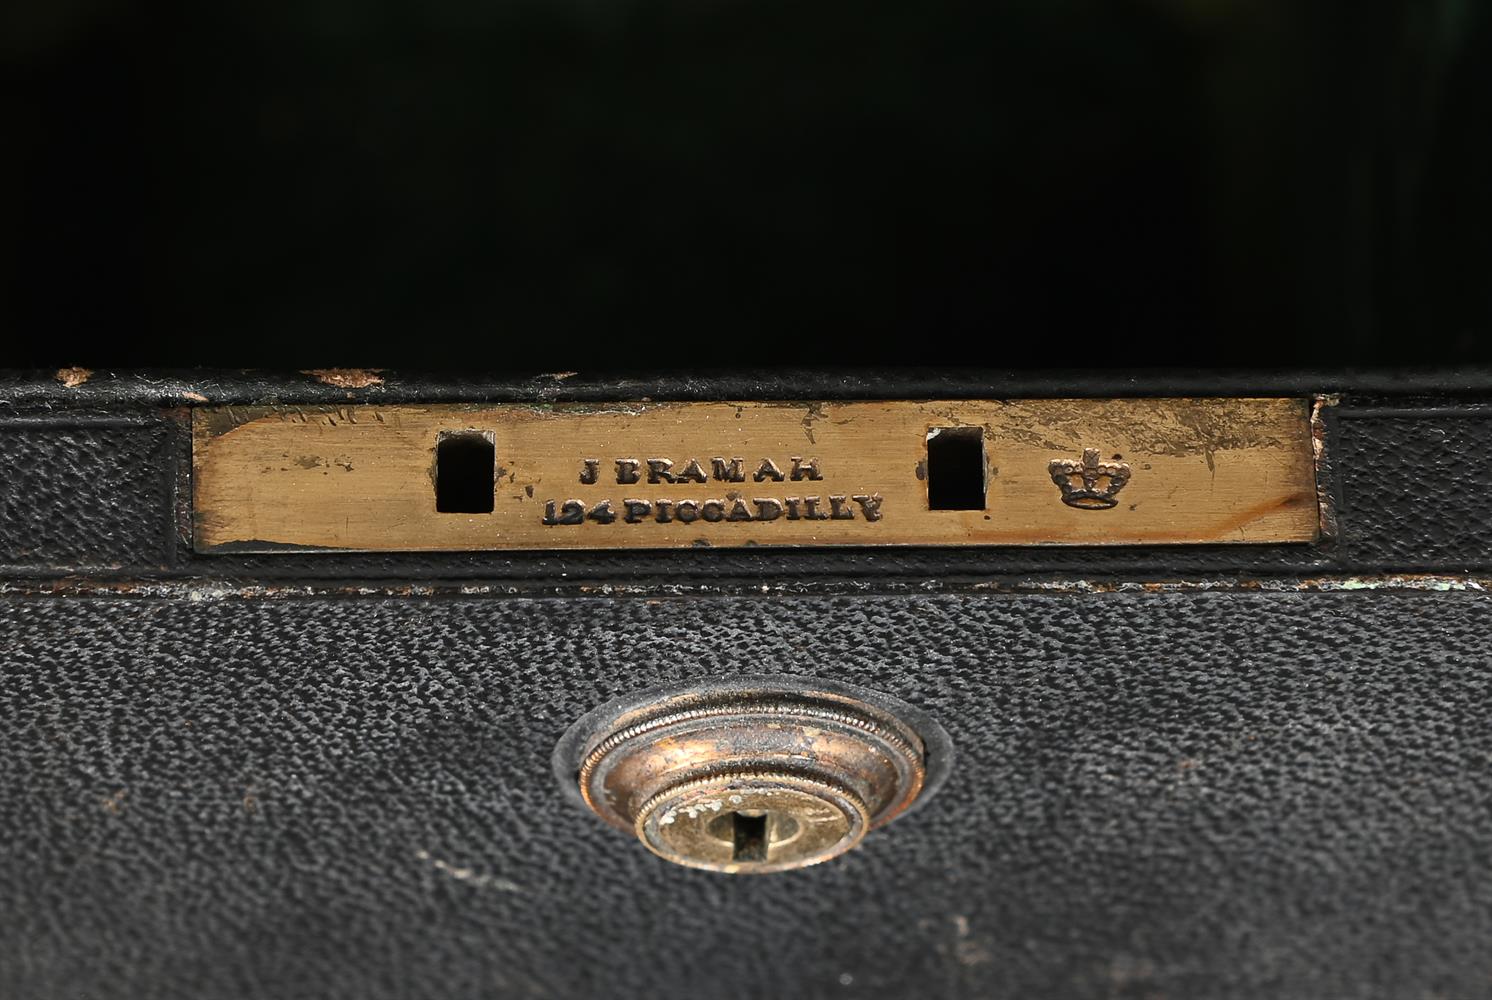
1159, 471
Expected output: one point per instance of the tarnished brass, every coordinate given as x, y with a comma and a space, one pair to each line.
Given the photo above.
661, 475
754, 777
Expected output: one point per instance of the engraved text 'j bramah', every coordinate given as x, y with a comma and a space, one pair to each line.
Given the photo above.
732, 507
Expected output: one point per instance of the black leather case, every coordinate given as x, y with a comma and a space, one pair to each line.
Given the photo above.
1195, 772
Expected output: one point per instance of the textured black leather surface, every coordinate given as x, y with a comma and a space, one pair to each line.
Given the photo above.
1188, 794
86, 492
1412, 494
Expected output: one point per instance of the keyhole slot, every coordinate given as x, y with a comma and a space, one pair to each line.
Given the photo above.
753, 833
956, 468
465, 468
749, 836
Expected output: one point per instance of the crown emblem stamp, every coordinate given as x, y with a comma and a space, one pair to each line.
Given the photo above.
1079, 480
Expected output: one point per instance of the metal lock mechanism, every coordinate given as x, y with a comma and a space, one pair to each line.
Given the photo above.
752, 774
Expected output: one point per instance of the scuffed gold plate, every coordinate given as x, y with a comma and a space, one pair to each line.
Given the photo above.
669, 475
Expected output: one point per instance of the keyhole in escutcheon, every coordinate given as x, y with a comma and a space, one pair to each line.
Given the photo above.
749, 836
753, 833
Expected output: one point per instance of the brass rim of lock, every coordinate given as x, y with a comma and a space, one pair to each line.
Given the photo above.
747, 779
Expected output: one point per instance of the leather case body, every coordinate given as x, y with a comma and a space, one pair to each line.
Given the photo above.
1184, 771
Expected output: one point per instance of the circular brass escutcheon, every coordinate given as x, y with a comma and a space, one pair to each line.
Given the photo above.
753, 775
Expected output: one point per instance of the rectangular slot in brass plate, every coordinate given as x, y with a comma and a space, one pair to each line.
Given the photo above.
664, 475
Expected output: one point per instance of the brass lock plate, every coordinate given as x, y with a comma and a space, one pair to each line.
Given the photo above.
754, 774
668, 475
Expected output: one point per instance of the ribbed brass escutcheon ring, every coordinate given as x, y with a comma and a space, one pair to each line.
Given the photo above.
751, 780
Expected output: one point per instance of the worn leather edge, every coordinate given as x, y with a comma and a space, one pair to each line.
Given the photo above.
178, 387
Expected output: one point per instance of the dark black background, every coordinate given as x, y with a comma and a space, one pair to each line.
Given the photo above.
597, 183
